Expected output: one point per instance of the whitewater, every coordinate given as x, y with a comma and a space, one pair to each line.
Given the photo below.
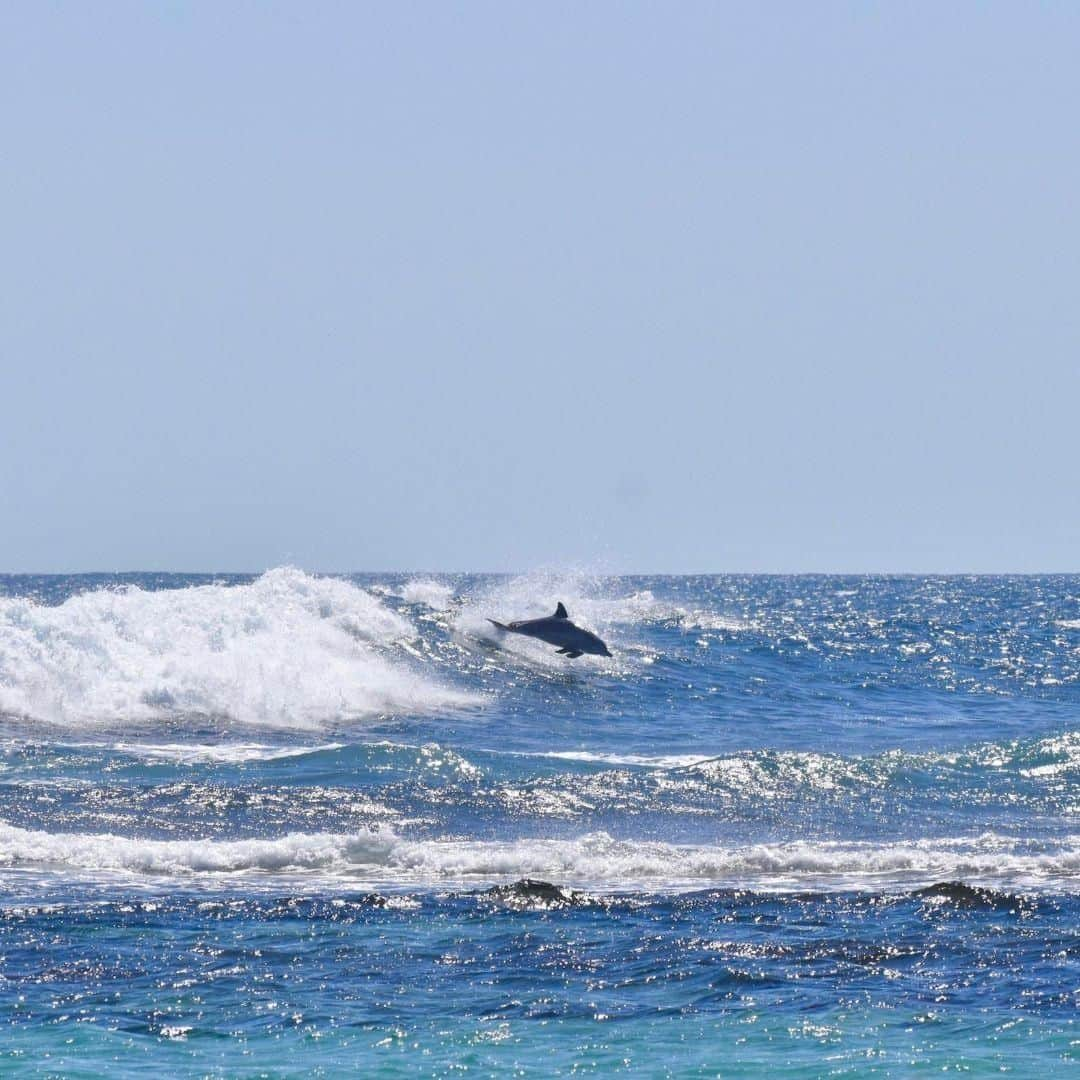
799, 811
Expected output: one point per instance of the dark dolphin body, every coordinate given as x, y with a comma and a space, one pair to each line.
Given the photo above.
558, 630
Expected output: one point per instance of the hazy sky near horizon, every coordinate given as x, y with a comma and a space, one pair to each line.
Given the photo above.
657, 287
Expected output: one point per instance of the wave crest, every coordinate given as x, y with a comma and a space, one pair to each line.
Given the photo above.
288, 649
595, 859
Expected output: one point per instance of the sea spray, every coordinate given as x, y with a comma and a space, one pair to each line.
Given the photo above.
288, 650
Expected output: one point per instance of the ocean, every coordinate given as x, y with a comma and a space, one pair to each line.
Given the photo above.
304, 825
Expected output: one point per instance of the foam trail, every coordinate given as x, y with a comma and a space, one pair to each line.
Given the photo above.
595, 859
288, 649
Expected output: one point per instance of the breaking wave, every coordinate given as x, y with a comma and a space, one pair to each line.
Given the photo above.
289, 650
428, 593
596, 859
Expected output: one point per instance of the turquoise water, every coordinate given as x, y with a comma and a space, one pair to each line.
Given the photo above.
293, 825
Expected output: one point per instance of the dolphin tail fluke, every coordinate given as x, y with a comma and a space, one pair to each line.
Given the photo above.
501, 626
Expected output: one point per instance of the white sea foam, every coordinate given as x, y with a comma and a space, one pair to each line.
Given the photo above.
1069, 624
105, 851
429, 593
288, 649
597, 860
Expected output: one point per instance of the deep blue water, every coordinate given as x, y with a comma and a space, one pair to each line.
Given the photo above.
795, 826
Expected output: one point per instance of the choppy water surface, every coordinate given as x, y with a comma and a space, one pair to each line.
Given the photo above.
281, 823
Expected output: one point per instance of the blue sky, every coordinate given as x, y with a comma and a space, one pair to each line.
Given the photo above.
716, 287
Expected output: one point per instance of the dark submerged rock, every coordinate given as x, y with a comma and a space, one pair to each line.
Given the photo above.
531, 893
961, 895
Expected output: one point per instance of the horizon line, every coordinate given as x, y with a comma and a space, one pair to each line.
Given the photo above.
546, 569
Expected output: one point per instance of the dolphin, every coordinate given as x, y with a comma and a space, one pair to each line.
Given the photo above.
558, 630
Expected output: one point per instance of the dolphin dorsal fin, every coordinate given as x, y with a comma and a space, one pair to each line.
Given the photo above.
560, 612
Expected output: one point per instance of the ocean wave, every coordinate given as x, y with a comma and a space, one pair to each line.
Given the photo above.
215, 753
645, 761
596, 859
289, 649
106, 851
1037, 773
763, 769
424, 591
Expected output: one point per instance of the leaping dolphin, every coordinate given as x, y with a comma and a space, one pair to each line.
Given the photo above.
558, 630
